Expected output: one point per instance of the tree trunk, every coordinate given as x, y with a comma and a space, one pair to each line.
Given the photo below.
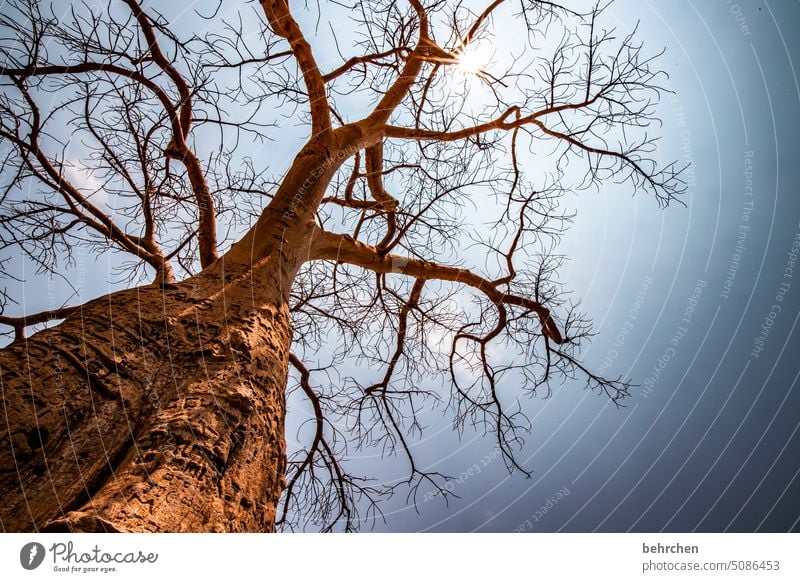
151, 410
162, 408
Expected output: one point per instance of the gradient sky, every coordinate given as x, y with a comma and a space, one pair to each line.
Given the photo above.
709, 441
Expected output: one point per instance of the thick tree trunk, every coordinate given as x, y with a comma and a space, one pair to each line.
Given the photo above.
162, 409
152, 410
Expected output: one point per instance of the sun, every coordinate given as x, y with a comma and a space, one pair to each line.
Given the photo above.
472, 60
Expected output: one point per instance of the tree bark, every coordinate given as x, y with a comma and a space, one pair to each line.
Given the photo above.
151, 410
162, 408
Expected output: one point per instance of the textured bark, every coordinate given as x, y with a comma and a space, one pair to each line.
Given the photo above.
151, 410
162, 408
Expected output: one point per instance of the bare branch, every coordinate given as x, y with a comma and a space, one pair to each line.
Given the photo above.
20, 323
281, 20
334, 247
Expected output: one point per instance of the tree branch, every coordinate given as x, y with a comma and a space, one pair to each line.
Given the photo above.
386, 202
20, 323
179, 148
283, 24
402, 85
341, 248
353, 62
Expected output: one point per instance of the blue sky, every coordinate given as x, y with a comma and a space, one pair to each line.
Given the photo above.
709, 440
683, 301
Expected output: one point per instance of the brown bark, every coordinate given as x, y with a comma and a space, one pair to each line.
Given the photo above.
151, 410
162, 408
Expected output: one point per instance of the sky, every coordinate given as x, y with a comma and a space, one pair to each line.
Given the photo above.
699, 305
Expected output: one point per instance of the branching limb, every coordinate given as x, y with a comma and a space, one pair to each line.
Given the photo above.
386, 202
20, 323
408, 75
179, 148
317, 478
52, 174
353, 62
402, 329
335, 247
283, 23
122, 61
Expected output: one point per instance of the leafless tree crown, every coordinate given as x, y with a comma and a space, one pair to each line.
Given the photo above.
160, 139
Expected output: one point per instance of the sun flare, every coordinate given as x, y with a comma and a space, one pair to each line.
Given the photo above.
473, 60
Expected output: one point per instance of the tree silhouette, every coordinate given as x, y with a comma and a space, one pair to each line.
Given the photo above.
161, 406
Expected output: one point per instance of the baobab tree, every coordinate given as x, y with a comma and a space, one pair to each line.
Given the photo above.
153, 139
